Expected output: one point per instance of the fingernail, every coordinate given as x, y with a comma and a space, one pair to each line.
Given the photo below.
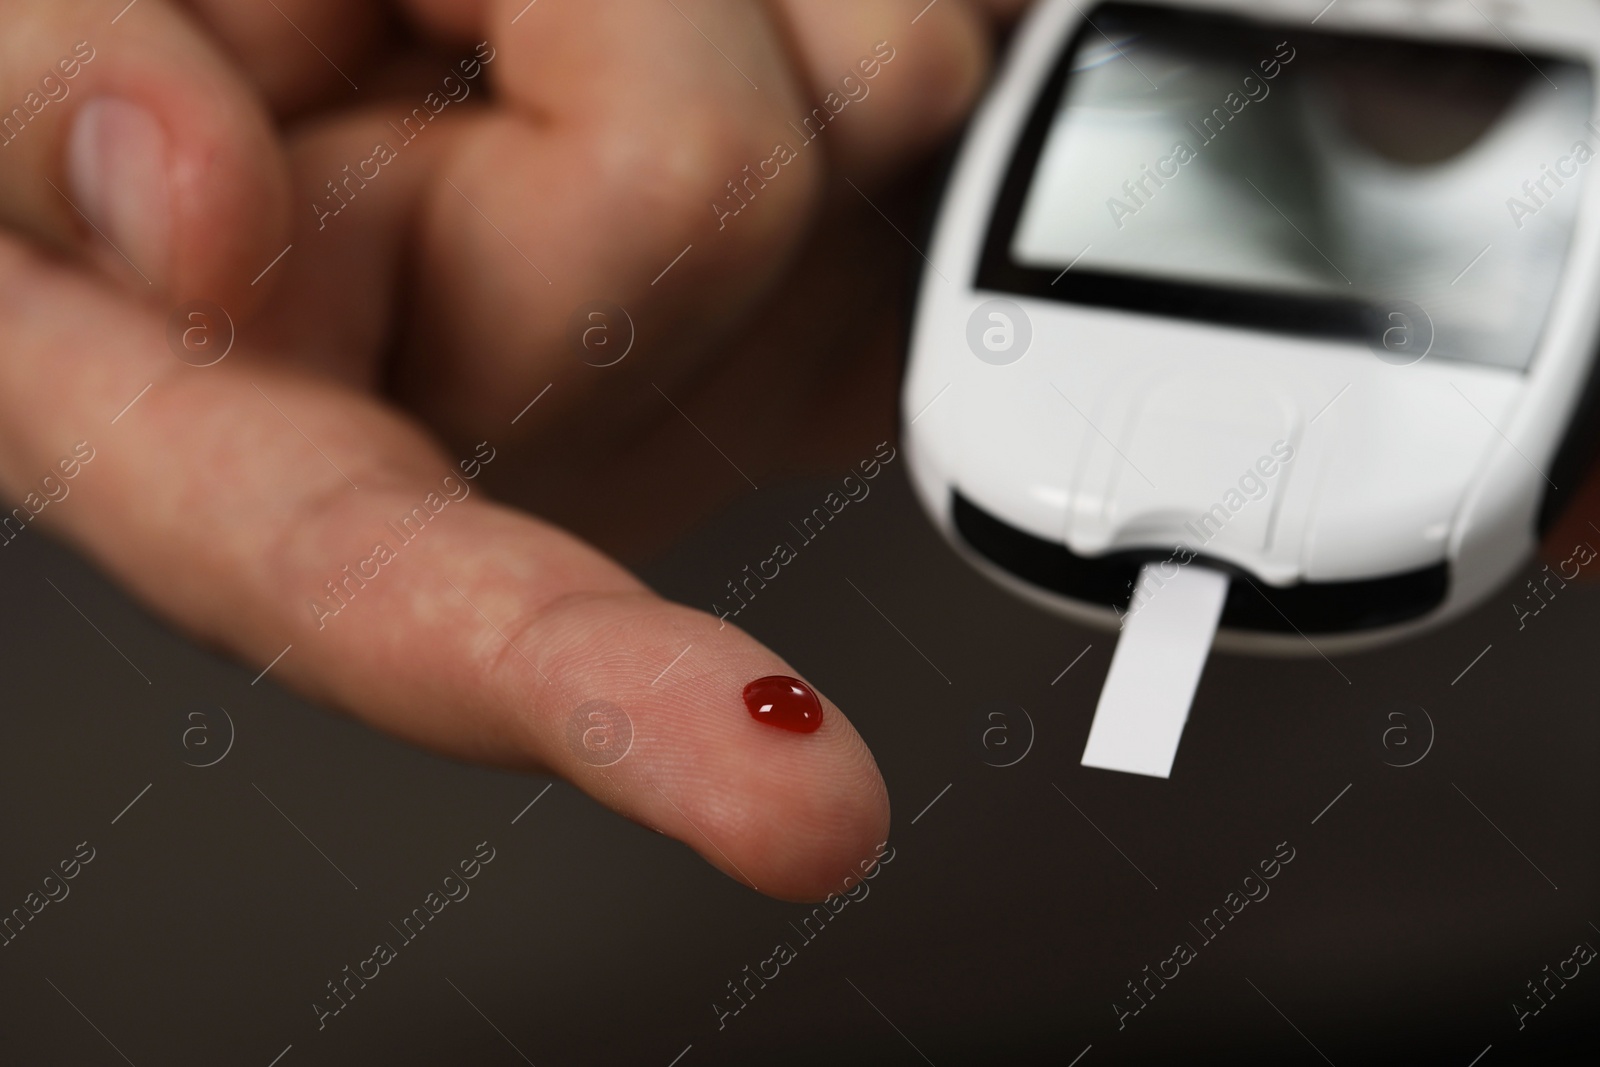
784, 702
117, 170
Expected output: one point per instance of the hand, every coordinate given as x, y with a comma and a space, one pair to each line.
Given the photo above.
421, 305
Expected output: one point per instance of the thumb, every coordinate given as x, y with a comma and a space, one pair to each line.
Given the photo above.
127, 139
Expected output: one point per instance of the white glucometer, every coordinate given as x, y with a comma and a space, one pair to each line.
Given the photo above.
1277, 316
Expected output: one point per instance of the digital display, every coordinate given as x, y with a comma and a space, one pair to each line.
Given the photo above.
1203, 165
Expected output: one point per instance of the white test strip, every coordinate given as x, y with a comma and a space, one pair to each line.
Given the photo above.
1155, 671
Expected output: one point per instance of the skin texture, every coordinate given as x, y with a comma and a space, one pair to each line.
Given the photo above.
392, 338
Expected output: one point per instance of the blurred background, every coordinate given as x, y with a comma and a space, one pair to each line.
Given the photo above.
1020, 901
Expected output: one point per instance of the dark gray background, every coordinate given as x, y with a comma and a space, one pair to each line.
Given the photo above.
1002, 930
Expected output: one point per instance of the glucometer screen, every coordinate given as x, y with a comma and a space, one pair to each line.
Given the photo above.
1211, 166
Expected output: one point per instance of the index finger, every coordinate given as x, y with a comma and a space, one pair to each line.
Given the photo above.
265, 510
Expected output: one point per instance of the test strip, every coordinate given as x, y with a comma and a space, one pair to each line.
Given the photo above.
1155, 671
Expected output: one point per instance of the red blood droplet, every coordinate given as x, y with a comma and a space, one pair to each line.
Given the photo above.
784, 702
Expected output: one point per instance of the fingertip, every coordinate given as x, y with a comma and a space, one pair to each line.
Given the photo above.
230, 191
805, 828
176, 182
792, 814
899, 76
117, 170
648, 712
951, 75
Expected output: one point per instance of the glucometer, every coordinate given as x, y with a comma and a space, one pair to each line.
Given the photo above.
1262, 324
